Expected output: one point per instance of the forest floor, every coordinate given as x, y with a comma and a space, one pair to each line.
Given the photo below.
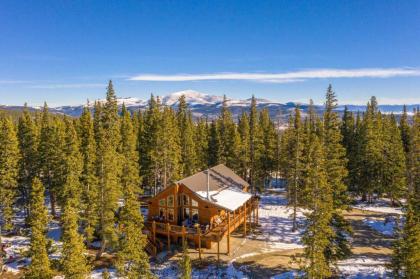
267, 251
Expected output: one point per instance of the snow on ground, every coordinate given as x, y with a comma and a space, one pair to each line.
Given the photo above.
97, 273
16, 246
276, 223
384, 227
379, 205
363, 267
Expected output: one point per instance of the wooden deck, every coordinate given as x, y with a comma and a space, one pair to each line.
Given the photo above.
163, 234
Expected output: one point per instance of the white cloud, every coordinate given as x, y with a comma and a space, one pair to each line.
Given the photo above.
286, 77
68, 85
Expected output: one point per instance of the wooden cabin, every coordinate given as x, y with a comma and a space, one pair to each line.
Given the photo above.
203, 207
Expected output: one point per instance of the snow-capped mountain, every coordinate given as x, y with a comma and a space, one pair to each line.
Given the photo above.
192, 98
206, 105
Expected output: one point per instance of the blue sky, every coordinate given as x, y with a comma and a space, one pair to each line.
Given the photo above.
64, 52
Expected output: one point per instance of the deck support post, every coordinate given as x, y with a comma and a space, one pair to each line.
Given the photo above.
154, 231
228, 235
258, 206
218, 250
168, 229
199, 241
245, 220
183, 235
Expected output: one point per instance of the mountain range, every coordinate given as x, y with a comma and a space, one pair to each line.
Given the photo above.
205, 105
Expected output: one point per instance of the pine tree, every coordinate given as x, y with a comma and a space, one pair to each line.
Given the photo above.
28, 159
229, 138
74, 262
132, 260
214, 145
9, 156
185, 264
294, 162
405, 130
107, 168
406, 257
318, 230
335, 165
40, 264
267, 160
51, 156
394, 164
335, 153
168, 150
88, 179
349, 142
201, 139
244, 158
148, 143
254, 143
186, 127
370, 162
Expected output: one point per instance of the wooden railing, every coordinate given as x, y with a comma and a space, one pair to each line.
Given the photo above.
214, 232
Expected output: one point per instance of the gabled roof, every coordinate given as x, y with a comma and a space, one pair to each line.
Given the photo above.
220, 177
225, 187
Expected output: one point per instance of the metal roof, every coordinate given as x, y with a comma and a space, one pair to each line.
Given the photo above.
220, 177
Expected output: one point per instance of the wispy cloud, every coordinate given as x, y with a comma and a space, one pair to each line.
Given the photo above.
14, 81
286, 77
68, 85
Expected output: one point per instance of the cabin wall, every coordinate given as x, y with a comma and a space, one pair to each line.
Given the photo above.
192, 203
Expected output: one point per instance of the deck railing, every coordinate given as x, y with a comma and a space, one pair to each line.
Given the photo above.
214, 231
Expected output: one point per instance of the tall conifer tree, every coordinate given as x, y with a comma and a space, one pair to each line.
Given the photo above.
186, 127
50, 153
108, 170
132, 260
244, 156
74, 261
229, 138
254, 143
9, 157
318, 231
40, 264
201, 139
88, 179
28, 159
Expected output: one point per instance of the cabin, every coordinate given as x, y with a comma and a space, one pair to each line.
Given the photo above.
202, 208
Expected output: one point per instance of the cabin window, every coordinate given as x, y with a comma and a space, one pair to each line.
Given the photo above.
171, 216
194, 203
171, 200
185, 200
194, 213
162, 213
162, 202
186, 213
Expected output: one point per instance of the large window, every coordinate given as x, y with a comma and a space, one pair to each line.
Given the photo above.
162, 202
171, 216
186, 213
162, 213
194, 203
185, 200
170, 202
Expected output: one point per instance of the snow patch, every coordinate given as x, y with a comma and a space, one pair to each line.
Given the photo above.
363, 267
229, 198
385, 227
382, 205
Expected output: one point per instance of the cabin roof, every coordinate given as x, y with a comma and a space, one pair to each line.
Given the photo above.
220, 177
225, 187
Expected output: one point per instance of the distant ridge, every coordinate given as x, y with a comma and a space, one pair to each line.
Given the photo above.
205, 105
